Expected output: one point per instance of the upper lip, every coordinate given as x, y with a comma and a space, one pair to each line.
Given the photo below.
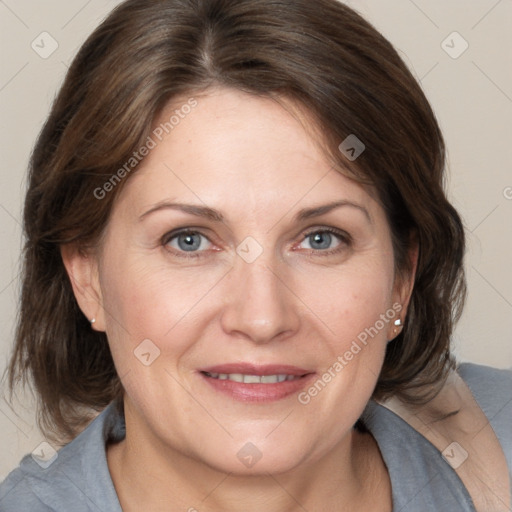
253, 369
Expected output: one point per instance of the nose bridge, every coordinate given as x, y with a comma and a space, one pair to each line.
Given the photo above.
262, 284
260, 305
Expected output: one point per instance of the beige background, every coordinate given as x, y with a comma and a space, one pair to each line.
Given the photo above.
471, 94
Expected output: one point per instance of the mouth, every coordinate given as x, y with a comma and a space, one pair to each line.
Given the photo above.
250, 383
253, 379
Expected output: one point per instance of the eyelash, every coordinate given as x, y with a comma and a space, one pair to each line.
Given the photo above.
344, 238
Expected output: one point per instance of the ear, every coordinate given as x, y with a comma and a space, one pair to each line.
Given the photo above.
82, 269
403, 287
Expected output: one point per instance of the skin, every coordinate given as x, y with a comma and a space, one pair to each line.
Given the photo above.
298, 303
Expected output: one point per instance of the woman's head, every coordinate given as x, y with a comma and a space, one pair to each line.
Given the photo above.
247, 109
236, 249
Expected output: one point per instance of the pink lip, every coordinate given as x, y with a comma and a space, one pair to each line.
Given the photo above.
257, 392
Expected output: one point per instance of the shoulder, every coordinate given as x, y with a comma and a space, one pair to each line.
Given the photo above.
491, 387
420, 478
492, 390
76, 477
38, 485
417, 441
16, 494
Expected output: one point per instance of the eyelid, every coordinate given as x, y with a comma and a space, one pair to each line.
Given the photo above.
327, 229
181, 231
185, 229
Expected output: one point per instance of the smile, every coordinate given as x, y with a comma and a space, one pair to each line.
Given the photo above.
253, 379
256, 383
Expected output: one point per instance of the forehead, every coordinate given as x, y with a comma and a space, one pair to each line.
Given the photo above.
249, 153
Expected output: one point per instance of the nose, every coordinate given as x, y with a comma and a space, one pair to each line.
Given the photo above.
259, 304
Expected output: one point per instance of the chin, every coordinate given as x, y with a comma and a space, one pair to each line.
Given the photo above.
252, 457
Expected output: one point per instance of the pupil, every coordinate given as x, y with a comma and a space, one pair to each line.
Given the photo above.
322, 240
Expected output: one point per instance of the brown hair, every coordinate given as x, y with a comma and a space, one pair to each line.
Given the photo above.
320, 54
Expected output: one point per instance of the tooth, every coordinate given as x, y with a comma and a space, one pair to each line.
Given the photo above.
252, 379
269, 379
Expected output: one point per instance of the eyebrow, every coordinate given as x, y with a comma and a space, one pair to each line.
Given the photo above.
216, 216
308, 213
198, 211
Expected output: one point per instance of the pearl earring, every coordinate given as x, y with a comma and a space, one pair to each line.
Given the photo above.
93, 321
398, 324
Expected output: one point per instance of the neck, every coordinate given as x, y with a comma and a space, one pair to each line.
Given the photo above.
150, 476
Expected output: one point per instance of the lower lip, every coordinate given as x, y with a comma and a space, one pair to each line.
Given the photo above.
258, 392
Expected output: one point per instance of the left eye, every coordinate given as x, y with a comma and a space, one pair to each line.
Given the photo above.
190, 241
322, 240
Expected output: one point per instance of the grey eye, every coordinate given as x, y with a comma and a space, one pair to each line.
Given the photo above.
188, 242
320, 240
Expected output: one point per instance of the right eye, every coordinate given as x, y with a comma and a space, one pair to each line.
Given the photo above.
187, 242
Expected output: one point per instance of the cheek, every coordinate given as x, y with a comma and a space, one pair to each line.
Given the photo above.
347, 306
145, 299
355, 312
351, 300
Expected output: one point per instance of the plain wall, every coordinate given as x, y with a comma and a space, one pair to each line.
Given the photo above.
471, 95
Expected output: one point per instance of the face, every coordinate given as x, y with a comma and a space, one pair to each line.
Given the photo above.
248, 290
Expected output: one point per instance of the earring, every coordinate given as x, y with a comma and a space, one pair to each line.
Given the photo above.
398, 325
93, 320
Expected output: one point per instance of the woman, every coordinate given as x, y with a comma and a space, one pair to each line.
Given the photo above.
240, 254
